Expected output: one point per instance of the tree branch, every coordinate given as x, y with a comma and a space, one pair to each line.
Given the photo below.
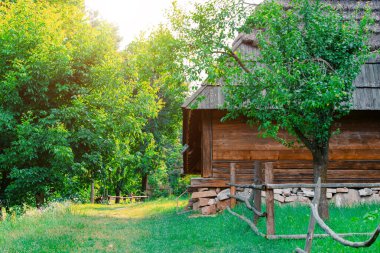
236, 58
248, 205
251, 4
324, 62
250, 223
303, 138
328, 230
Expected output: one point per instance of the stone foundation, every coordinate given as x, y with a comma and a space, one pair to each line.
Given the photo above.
212, 200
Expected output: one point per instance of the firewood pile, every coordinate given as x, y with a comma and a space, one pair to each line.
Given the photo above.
209, 200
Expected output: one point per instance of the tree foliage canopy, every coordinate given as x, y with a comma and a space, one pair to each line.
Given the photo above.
74, 109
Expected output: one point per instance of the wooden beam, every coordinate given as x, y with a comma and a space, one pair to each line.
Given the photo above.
206, 144
269, 198
258, 179
233, 181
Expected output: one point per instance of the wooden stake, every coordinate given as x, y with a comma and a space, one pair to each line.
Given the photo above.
258, 175
233, 181
311, 228
269, 199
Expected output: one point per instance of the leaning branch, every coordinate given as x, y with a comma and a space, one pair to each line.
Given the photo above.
249, 206
338, 238
250, 223
335, 236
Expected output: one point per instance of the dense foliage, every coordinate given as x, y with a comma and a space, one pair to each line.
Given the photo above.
298, 81
75, 110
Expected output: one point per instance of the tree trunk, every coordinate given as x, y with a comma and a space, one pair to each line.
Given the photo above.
320, 165
117, 191
92, 196
40, 197
144, 182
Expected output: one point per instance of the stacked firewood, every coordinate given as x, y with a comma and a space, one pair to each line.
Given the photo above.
212, 200
209, 200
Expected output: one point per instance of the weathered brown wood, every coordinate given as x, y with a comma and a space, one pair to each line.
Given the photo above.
233, 181
269, 199
328, 185
204, 194
328, 230
303, 236
257, 193
235, 140
246, 155
312, 221
248, 205
250, 223
206, 143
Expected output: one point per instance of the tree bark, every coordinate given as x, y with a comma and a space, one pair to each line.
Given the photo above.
40, 197
92, 197
117, 192
320, 165
144, 181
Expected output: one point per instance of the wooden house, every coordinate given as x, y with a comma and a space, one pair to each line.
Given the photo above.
212, 145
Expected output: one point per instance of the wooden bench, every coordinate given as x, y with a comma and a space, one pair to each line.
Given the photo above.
131, 198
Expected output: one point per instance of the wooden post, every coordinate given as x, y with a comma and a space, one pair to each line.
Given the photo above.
269, 199
311, 228
233, 181
258, 176
206, 144
92, 195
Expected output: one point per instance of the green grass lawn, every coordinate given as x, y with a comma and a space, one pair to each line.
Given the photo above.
154, 226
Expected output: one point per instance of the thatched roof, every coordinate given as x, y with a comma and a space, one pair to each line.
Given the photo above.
367, 93
348, 7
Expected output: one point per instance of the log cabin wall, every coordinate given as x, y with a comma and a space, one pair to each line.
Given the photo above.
354, 153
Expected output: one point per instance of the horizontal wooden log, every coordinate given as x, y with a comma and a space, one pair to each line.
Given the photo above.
261, 155
301, 171
303, 236
328, 185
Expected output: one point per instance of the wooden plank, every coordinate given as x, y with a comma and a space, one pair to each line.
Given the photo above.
244, 155
269, 199
359, 139
206, 144
215, 182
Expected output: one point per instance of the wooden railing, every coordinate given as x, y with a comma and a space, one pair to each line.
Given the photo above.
268, 187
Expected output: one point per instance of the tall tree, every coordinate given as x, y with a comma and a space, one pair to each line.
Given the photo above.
67, 108
300, 82
35, 64
157, 61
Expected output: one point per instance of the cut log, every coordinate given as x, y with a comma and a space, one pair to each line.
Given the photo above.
196, 206
205, 194
211, 202
208, 210
203, 201
342, 190
223, 204
330, 190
